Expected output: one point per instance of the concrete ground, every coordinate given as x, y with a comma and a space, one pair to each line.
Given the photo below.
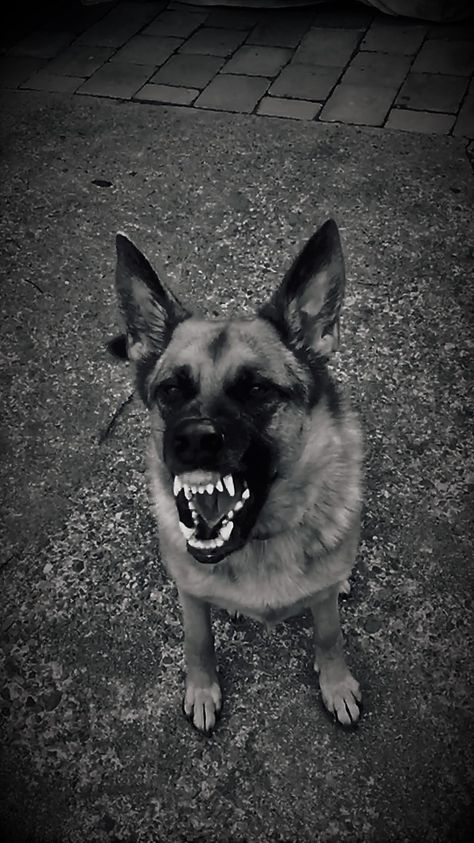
94, 744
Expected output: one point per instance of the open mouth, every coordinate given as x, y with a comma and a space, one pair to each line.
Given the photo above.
212, 512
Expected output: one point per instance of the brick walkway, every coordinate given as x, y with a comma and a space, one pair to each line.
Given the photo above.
344, 63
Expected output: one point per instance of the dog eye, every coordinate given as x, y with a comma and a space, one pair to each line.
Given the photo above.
248, 386
260, 389
168, 391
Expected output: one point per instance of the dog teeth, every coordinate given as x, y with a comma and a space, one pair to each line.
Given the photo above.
187, 532
210, 544
246, 494
226, 530
188, 492
229, 484
177, 486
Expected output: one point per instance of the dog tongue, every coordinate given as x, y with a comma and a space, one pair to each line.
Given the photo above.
212, 508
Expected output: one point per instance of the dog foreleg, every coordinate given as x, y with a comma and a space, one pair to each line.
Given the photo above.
340, 691
203, 698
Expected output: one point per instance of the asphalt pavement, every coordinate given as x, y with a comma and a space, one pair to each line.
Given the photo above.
95, 747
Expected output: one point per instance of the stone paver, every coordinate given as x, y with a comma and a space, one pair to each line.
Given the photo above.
17, 69
79, 60
210, 41
44, 81
258, 61
420, 121
327, 47
450, 57
305, 82
428, 92
396, 40
233, 93
169, 94
377, 61
188, 70
120, 81
9, 36
234, 18
147, 49
463, 31
120, 24
343, 15
285, 30
177, 23
42, 44
385, 70
295, 109
465, 123
358, 104
73, 17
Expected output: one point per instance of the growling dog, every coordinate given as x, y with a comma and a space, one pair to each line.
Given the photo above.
255, 460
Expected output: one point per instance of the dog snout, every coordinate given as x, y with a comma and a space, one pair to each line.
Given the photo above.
197, 443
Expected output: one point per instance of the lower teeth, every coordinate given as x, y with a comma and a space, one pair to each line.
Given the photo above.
206, 545
225, 531
209, 544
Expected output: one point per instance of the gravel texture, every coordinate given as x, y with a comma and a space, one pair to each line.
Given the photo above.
94, 745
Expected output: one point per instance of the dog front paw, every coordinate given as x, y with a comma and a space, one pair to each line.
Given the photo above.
202, 704
344, 588
342, 697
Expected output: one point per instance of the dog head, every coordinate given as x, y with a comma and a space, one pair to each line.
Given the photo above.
229, 399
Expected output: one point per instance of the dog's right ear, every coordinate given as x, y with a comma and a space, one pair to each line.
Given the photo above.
150, 310
307, 305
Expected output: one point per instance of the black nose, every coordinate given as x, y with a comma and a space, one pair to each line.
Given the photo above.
197, 443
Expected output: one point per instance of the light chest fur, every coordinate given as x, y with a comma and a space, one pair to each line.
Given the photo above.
313, 530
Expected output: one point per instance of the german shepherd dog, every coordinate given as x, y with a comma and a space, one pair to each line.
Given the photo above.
255, 460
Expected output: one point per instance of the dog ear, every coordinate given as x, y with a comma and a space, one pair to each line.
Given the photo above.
308, 303
151, 311
118, 347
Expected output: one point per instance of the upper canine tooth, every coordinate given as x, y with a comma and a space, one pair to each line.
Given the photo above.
229, 484
186, 531
209, 488
246, 494
177, 486
187, 491
226, 530
219, 486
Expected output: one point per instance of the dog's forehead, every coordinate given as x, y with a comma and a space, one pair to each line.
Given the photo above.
224, 346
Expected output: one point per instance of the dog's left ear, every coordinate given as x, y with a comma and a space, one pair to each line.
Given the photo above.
308, 303
151, 311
